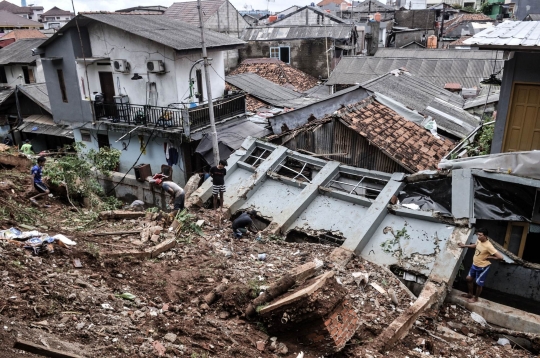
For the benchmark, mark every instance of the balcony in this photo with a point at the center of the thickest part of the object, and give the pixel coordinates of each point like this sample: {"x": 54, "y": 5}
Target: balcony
{"x": 170, "y": 117}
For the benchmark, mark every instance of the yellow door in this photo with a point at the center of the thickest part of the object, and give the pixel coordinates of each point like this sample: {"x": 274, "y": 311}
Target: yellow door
{"x": 523, "y": 124}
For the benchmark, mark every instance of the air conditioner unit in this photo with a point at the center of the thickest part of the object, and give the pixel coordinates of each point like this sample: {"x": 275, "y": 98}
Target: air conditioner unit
{"x": 120, "y": 66}
{"x": 156, "y": 66}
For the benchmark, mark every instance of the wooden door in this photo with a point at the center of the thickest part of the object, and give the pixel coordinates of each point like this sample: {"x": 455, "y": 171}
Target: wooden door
{"x": 523, "y": 124}
{"x": 107, "y": 86}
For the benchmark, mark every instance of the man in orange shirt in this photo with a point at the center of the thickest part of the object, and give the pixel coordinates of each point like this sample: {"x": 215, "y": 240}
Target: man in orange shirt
{"x": 480, "y": 267}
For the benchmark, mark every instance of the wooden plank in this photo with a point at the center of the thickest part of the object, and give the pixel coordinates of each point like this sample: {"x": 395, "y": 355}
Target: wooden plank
{"x": 42, "y": 350}
{"x": 116, "y": 233}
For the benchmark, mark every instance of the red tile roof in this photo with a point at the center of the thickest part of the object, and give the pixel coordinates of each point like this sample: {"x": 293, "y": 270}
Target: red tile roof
{"x": 414, "y": 147}
{"x": 278, "y": 72}
{"x": 452, "y": 23}
{"x": 459, "y": 41}
{"x": 452, "y": 86}
{"x": 24, "y": 34}
{"x": 337, "y": 2}
{"x": 55, "y": 11}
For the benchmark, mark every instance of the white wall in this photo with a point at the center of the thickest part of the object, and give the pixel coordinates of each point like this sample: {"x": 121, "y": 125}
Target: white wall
{"x": 172, "y": 86}
{"x": 13, "y": 71}
{"x": 155, "y": 155}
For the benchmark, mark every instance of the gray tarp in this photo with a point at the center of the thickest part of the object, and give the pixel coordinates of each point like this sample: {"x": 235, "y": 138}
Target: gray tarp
{"x": 230, "y": 138}
{"x": 524, "y": 164}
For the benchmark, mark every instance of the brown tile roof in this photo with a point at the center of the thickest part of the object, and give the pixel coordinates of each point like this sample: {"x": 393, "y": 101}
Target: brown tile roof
{"x": 452, "y": 86}
{"x": 24, "y": 34}
{"x": 252, "y": 103}
{"x": 55, "y": 11}
{"x": 278, "y": 72}
{"x": 459, "y": 41}
{"x": 8, "y": 19}
{"x": 414, "y": 147}
{"x": 452, "y": 23}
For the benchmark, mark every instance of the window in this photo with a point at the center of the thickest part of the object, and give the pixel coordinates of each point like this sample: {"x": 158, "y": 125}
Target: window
{"x": 85, "y": 135}
{"x": 282, "y": 53}
{"x": 3, "y": 77}
{"x": 274, "y": 52}
{"x": 26, "y": 75}
{"x": 62, "y": 85}
{"x": 58, "y": 18}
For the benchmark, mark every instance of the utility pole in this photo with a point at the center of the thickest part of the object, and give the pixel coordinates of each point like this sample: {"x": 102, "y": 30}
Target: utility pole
{"x": 213, "y": 132}
{"x": 442, "y": 25}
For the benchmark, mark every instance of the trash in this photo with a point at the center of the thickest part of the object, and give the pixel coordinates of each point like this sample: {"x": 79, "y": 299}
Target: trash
{"x": 127, "y": 296}
{"x": 262, "y": 257}
{"x": 393, "y": 296}
{"x": 107, "y": 306}
{"x": 478, "y": 319}
{"x": 199, "y": 223}
{"x": 503, "y": 341}
{"x": 378, "y": 288}
{"x": 411, "y": 206}
{"x": 64, "y": 240}
{"x": 77, "y": 263}
{"x": 300, "y": 355}
{"x": 137, "y": 205}
{"x": 361, "y": 278}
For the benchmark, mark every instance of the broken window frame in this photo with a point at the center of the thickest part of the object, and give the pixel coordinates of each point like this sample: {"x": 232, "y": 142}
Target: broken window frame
{"x": 281, "y": 165}
{"x": 523, "y": 240}
{"x": 260, "y": 158}
{"x": 333, "y": 180}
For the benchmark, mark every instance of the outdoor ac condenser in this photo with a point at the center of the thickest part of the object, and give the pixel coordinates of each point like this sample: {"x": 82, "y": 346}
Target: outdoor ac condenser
{"x": 121, "y": 66}
{"x": 155, "y": 66}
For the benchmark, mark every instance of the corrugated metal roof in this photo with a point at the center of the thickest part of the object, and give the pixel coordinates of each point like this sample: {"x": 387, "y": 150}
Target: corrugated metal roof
{"x": 263, "y": 89}
{"x": 7, "y": 19}
{"x": 509, "y": 34}
{"x": 533, "y": 17}
{"x": 14, "y": 9}
{"x": 5, "y": 93}
{"x": 297, "y": 32}
{"x": 56, "y": 11}
{"x": 43, "y": 124}
{"x": 481, "y": 100}
{"x": 444, "y": 106}
{"x": 158, "y": 28}
{"x": 315, "y": 9}
{"x": 20, "y": 51}
{"x": 467, "y": 72}
{"x": 187, "y": 11}
{"x": 391, "y": 52}
{"x": 38, "y": 93}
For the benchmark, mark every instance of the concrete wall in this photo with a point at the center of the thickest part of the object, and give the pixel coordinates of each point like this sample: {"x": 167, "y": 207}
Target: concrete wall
{"x": 523, "y": 68}
{"x": 522, "y": 8}
{"x": 305, "y": 17}
{"x": 14, "y": 71}
{"x": 155, "y": 154}
{"x": 172, "y": 86}
{"x": 66, "y": 47}
{"x": 307, "y": 55}
{"x": 227, "y": 20}
{"x": 415, "y": 19}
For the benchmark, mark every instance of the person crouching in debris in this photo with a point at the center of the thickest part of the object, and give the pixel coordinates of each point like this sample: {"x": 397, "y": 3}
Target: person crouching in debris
{"x": 480, "y": 267}
{"x": 36, "y": 172}
{"x": 241, "y": 224}
{"x": 176, "y": 192}
{"x": 218, "y": 178}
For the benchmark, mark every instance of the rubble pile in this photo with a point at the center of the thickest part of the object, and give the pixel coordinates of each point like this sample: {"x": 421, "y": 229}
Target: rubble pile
{"x": 115, "y": 295}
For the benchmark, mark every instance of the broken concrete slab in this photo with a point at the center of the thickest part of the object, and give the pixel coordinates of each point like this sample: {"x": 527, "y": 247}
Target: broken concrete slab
{"x": 498, "y": 314}
{"x": 120, "y": 214}
{"x": 401, "y": 325}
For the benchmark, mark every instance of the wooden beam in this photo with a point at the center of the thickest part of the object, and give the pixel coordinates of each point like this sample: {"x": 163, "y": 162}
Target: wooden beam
{"x": 42, "y": 350}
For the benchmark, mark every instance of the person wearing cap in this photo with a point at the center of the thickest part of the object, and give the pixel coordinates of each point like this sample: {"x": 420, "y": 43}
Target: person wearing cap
{"x": 484, "y": 251}
{"x": 176, "y": 192}
{"x": 37, "y": 183}
{"x": 241, "y": 224}
{"x": 26, "y": 148}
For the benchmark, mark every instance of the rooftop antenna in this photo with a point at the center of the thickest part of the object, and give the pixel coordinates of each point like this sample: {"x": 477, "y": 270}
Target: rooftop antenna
{"x": 268, "y": 5}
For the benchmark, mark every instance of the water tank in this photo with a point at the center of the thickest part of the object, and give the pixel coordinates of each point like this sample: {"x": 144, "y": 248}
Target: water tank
{"x": 377, "y": 17}
{"x": 432, "y": 41}
{"x": 272, "y": 18}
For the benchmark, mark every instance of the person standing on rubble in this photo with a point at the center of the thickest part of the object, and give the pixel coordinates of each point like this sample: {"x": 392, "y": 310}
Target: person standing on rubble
{"x": 218, "y": 178}
{"x": 176, "y": 192}
{"x": 484, "y": 251}
{"x": 27, "y": 148}
{"x": 241, "y": 224}
{"x": 37, "y": 183}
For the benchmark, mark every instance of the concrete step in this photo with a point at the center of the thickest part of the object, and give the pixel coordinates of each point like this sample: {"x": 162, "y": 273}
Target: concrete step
{"x": 498, "y": 314}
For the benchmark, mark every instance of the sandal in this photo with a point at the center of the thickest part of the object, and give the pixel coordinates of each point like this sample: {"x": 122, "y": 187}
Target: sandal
{"x": 34, "y": 201}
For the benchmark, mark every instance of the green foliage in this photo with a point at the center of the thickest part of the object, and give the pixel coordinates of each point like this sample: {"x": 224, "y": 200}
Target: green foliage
{"x": 482, "y": 143}
{"x": 470, "y": 9}
{"x": 255, "y": 286}
{"x": 74, "y": 172}
{"x": 402, "y": 234}
{"x": 486, "y": 8}
{"x": 187, "y": 221}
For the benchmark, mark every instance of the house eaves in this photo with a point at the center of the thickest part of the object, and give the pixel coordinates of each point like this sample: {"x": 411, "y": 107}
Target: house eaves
{"x": 37, "y": 92}
{"x": 316, "y": 10}
{"x": 330, "y": 202}
{"x": 158, "y": 28}
{"x": 20, "y": 52}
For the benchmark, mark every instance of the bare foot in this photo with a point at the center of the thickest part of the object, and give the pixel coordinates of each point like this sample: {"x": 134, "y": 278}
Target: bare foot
{"x": 466, "y": 295}
{"x": 472, "y": 300}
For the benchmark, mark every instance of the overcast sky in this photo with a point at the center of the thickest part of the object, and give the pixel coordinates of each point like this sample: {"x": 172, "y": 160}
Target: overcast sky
{"x": 107, "y": 5}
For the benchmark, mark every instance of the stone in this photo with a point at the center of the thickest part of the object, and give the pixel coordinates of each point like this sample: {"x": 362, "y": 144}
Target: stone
{"x": 154, "y": 238}
{"x": 199, "y": 223}
{"x": 224, "y": 314}
{"x": 171, "y": 337}
{"x": 261, "y": 345}
{"x": 80, "y": 325}
{"x": 205, "y": 307}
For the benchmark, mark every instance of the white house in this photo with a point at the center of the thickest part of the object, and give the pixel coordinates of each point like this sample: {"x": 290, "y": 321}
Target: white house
{"x": 18, "y": 65}
{"x": 141, "y": 63}
{"x": 55, "y": 18}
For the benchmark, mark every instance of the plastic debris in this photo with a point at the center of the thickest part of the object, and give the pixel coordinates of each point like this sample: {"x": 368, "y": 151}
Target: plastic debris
{"x": 127, "y": 296}
{"x": 64, "y": 240}
{"x": 262, "y": 257}
{"x": 503, "y": 341}
{"x": 478, "y": 319}
{"x": 107, "y": 306}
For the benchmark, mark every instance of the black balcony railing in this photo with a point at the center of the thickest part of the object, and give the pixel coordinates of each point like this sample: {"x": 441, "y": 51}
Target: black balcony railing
{"x": 167, "y": 117}
{"x": 223, "y": 109}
